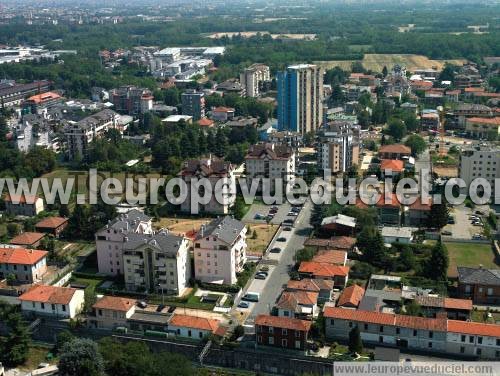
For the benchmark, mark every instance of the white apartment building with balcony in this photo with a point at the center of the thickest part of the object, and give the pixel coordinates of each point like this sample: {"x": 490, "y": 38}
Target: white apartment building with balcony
{"x": 480, "y": 162}
{"x": 157, "y": 263}
{"x": 270, "y": 161}
{"x": 220, "y": 251}
{"x": 110, "y": 240}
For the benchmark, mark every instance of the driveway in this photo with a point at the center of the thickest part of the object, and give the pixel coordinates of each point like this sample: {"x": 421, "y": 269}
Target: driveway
{"x": 279, "y": 264}
{"x": 463, "y": 228}
{"x": 263, "y": 210}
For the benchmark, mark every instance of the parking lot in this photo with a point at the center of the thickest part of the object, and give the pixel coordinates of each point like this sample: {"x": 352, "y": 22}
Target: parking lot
{"x": 259, "y": 211}
{"x": 463, "y": 228}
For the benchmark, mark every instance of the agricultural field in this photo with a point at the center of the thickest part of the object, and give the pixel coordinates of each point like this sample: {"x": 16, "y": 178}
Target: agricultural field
{"x": 469, "y": 254}
{"x": 376, "y": 62}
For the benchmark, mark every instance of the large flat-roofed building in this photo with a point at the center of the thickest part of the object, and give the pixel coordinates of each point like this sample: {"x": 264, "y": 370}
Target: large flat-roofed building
{"x": 479, "y": 162}
{"x": 300, "y": 97}
{"x": 253, "y": 77}
{"x": 220, "y": 251}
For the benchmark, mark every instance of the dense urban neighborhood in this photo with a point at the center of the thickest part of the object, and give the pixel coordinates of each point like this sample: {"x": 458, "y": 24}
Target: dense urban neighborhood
{"x": 260, "y": 97}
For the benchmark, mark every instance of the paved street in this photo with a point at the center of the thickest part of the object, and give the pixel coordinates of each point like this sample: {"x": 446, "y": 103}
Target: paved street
{"x": 263, "y": 210}
{"x": 271, "y": 288}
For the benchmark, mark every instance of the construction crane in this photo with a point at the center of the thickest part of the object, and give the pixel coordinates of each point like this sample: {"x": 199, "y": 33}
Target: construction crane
{"x": 442, "y": 149}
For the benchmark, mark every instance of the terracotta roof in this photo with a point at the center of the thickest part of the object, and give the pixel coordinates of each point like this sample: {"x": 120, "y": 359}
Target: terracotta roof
{"x": 21, "y": 256}
{"x": 223, "y": 109}
{"x": 494, "y": 121}
{"x": 323, "y": 270}
{"x": 394, "y": 203}
{"x": 475, "y": 328}
{"x": 204, "y": 122}
{"x": 331, "y": 256}
{"x": 361, "y": 316}
{"x": 421, "y": 83}
{"x": 351, "y": 295}
{"x": 21, "y": 199}
{"x": 49, "y": 294}
{"x": 27, "y": 238}
{"x": 336, "y": 242}
{"x": 39, "y": 98}
{"x": 474, "y": 89}
{"x": 115, "y": 303}
{"x": 194, "y": 322}
{"x": 395, "y": 148}
{"x": 424, "y": 323}
{"x": 392, "y": 164}
{"x": 308, "y": 284}
{"x": 420, "y": 205}
{"x": 291, "y": 299}
{"x": 51, "y": 222}
{"x": 272, "y": 151}
{"x": 463, "y": 304}
{"x": 283, "y": 322}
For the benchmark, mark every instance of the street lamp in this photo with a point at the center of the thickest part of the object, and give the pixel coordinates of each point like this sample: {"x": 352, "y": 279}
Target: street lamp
{"x": 162, "y": 296}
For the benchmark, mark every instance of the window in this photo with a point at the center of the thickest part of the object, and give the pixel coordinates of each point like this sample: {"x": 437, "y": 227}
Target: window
{"x": 285, "y": 313}
{"x": 200, "y": 334}
{"x": 366, "y": 326}
{"x": 478, "y": 352}
{"x": 100, "y": 312}
{"x": 350, "y": 324}
{"x": 53, "y": 307}
{"x": 284, "y": 332}
{"x": 34, "y": 306}
{"x": 189, "y": 333}
{"x": 381, "y": 339}
{"x": 398, "y": 331}
{"x": 471, "y": 339}
{"x": 497, "y": 354}
{"x": 462, "y": 349}
{"x": 498, "y": 341}
{"x": 271, "y": 340}
{"x": 297, "y": 345}
{"x": 430, "y": 345}
{"x": 431, "y": 334}
{"x": 332, "y": 322}
{"x": 381, "y": 329}
{"x": 463, "y": 338}
{"x": 271, "y": 329}
{"x": 479, "y": 340}
{"x": 414, "y": 333}
{"x": 284, "y": 343}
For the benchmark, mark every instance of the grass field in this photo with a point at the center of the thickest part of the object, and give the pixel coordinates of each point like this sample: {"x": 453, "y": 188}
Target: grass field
{"x": 480, "y": 316}
{"x": 264, "y": 235}
{"x": 376, "y": 62}
{"x": 469, "y": 254}
{"x": 37, "y": 355}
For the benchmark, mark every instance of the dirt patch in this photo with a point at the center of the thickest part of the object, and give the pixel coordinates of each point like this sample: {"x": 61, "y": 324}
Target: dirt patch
{"x": 449, "y": 171}
{"x": 264, "y": 233}
{"x": 182, "y": 226}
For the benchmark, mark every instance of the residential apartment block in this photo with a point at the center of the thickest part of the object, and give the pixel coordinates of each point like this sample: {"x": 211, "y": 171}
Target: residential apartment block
{"x": 338, "y": 146}
{"x": 253, "y": 77}
{"x": 479, "y": 284}
{"x": 220, "y": 251}
{"x": 270, "y": 161}
{"x": 300, "y": 97}
{"x": 418, "y": 333}
{"x": 284, "y": 332}
{"x": 80, "y": 134}
{"x": 193, "y": 104}
{"x": 479, "y": 162}
{"x": 214, "y": 170}
{"x": 157, "y": 262}
{"x": 110, "y": 240}
{"x": 131, "y": 100}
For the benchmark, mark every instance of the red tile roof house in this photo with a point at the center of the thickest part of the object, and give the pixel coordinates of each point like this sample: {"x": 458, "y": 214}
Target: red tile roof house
{"x": 394, "y": 151}
{"x": 26, "y": 265}
{"x": 222, "y": 114}
{"x": 331, "y": 256}
{"x": 192, "y": 326}
{"x": 56, "y": 302}
{"x": 351, "y": 297}
{"x": 28, "y": 239}
{"x": 27, "y": 206}
{"x": 316, "y": 270}
{"x": 282, "y": 332}
{"x": 457, "y": 309}
{"x": 460, "y": 338}
{"x": 298, "y": 304}
{"x": 321, "y": 286}
{"x": 346, "y": 243}
{"x": 110, "y": 312}
{"x": 52, "y": 225}
{"x": 391, "y": 167}
{"x": 418, "y": 212}
{"x": 389, "y": 210}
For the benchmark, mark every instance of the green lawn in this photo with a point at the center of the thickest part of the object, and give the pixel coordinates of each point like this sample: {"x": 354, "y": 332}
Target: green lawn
{"x": 481, "y": 316}
{"x": 469, "y": 254}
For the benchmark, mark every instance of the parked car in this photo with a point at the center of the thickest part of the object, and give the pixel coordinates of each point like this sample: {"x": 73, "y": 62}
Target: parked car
{"x": 243, "y": 305}
{"x": 260, "y": 276}
{"x": 251, "y": 297}
{"x": 142, "y": 304}
{"x": 292, "y": 214}
{"x": 446, "y": 233}
{"x": 259, "y": 216}
{"x": 275, "y": 250}
{"x": 281, "y": 239}
{"x": 287, "y": 228}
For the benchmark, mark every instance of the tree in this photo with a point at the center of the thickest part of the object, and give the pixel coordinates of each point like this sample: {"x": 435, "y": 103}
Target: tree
{"x": 436, "y": 267}
{"x": 81, "y": 357}
{"x": 14, "y": 347}
{"x": 371, "y": 244}
{"x": 413, "y": 309}
{"x": 407, "y": 259}
{"x": 438, "y": 216}
{"x": 13, "y": 229}
{"x": 416, "y": 144}
{"x": 384, "y": 71}
{"x": 305, "y": 254}
{"x": 64, "y": 211}
{"x": 396, "y": 129}
{"x": 355, "y": 342}
{"x": 62, "y": 338}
